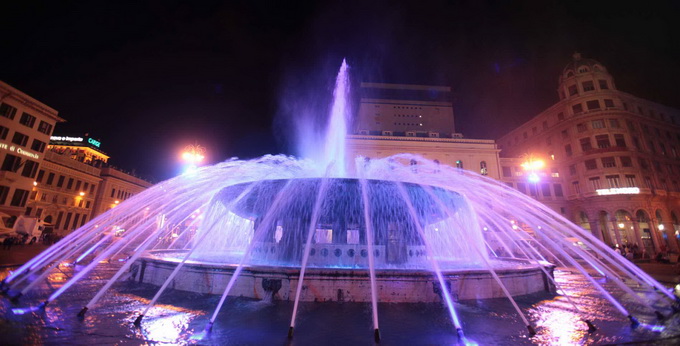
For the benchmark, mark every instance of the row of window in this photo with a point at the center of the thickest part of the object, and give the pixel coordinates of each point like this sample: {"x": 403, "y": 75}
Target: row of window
{"x": 13, "y": 163}
{"x": 18, "y": 199}
{"x": 614, "y": 181}
{"x": 78, "y": 220}
{"x": 78, "y": 202}
{"x": 69, "y": 184}
{"x": 22, "y": 140}
{"x": 26, "y": 119}
{"x": 533, "y": 189}
{"x": 122, "y": 195}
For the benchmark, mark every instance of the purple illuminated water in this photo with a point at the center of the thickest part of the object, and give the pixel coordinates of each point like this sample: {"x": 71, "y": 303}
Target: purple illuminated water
{"x": 382, "y": 214}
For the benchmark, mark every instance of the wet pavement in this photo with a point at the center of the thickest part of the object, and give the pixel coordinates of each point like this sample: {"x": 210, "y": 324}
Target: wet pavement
{"x": 180, "y": 318}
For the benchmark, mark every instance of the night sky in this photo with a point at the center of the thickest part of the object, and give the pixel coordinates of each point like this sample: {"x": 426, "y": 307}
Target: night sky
{"x": 149, "y": 78}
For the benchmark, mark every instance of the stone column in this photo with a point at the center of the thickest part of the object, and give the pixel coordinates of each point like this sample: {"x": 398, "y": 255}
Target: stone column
{"x": 638, "y": 236}
{"x": 616, "y": 231}
{"x": 595, "y": 229}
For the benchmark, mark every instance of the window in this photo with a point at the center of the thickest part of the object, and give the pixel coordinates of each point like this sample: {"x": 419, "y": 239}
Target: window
{"x": 45, "y": 128}
{"x": 459, "y": 164}
{"x": 533, "y": 190}
{"x": 78, "y": 183}
{"x": 643, "y": 164}
{"x": 577, "y": 108}
{"x": 27, "y": 120}
{"x": 30, "y": 169}
{"x": 69, "y": 185}
{"x": 41, "y": 174}
{"x": 572, "y": 90}
{"x": 608, "y": 162}
{"x": 613, "y": 181}
{"x": 113, "y": 193}
{"x": 608, "y": 103}
{"x": 620, "y": 141}
{"x": 567, "y": 150}
{"x": 636, "y": 142}
{"x": 591, "y": 164}
{"x": 663, "y": 149}
{"x": 38, "y": 146}
{"x": 4, "y": 191}
{"x": 593, "y": 104}
{"x": 7, "y": 111}
{"x": 482, "y": 168}
{"x": 585, "y": 144}
{"x": 598, "y": 124}
{"x": 626, "y": 161}
{"x": 581, "y": 127}
{"x": 603, "y": 84}
{"x": 19, "y": 198}
{"x": 595, "y": 183}
{"x": 560, "y": 116}
{"x": 576, "y": 187}
{"x": 558, "y": 190}
{"x": 92, "y": 189}
{"x": 3, "y": 132}
{"x": 631, "y": 125}
{"x": 565, "y": 134}
{"x": 507, "y": 172}
{"x": 630, "y": 181}
{"x": 67, "y": 221}
{"x": 545, "y": 190}
{"x": 652, "y": 148}
{"x": 602, "y": 141}
{"x": 20, "y": 139}
{"x": 50, "y": 179}
{"x": 75, "y": 220}
{"x": 60, "y": 182}
{"x": 648, "y": 183}
{"x": 572, "y": 170}
{"x": 521, "y": 187}
{"x": 11, "y": 163}
{"x": 588, "y": 86}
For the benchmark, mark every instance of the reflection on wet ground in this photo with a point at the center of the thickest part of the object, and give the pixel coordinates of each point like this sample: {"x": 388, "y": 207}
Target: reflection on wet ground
{"x": 180, "y": 317}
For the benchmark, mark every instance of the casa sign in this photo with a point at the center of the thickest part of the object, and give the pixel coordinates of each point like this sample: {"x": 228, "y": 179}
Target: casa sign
{"x": 92, "y": 141}
{"x": 619, "y": 191}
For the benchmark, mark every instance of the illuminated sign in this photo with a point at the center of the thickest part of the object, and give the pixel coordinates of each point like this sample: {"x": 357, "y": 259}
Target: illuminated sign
{"x": 19, "y": 151}
{"x": 619, "y": 191}
{"x": 93, "y": 142}
{"x": 66, "y": 139}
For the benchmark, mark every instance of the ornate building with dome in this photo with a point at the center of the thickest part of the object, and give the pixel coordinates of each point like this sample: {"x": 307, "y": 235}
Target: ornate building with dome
{"x": 613, "y": 156}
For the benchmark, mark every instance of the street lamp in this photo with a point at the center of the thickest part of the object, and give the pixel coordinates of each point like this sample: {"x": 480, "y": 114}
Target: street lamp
{"x": 533, "y": 166}
{"x": 192, "y": 155}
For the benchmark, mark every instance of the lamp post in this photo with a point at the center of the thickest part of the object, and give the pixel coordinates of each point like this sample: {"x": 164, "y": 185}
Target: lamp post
{"x": 533, "y": 167}
{"x": 192, "y": 156}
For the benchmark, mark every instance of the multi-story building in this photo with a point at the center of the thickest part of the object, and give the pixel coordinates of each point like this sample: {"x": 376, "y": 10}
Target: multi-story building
{"x": 417, "y": 119}
{"x": 25, "y": 128}
{"x": 76, "y": 184}
{"x": 616, "y": 156}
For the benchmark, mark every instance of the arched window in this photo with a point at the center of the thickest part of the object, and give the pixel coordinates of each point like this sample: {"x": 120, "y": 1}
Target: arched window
{"x": 482, "y": 168}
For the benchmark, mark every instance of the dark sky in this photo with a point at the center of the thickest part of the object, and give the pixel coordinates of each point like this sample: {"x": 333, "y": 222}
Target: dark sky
{"x": 151, "y": 77}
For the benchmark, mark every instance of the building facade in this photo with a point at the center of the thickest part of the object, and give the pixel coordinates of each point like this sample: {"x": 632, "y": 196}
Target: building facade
{"x": 25, "y": 128}
{"x": 76, "y": 184}
{"x": 417, "y": 119}
{"x": 615, "y": 155}
{"x": 405, "y": 110}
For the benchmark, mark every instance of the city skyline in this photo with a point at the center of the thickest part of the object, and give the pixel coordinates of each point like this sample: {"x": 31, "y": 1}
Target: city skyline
{"x": 230, "y": 77}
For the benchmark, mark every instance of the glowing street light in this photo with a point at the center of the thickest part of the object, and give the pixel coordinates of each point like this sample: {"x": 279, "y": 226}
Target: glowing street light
{"x": 193, "y": 154}
{"x": 82, "y": 193}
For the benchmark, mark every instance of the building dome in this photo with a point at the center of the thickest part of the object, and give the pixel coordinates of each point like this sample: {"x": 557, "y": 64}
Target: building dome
{"x": 579, "y": 65}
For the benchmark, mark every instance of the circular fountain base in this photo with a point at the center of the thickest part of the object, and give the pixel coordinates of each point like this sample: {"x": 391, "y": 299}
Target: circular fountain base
{"x": 339, "y": 284}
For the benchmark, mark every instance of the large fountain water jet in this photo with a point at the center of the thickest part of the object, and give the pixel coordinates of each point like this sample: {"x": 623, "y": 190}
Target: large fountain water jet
{"x": 304, "y": 230}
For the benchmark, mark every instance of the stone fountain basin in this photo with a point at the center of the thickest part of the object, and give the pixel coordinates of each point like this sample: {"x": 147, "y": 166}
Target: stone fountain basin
{"x": 341, "y": 284}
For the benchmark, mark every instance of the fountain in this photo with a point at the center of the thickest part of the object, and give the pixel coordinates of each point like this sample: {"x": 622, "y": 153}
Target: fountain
{"x": 323, "y": 231}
